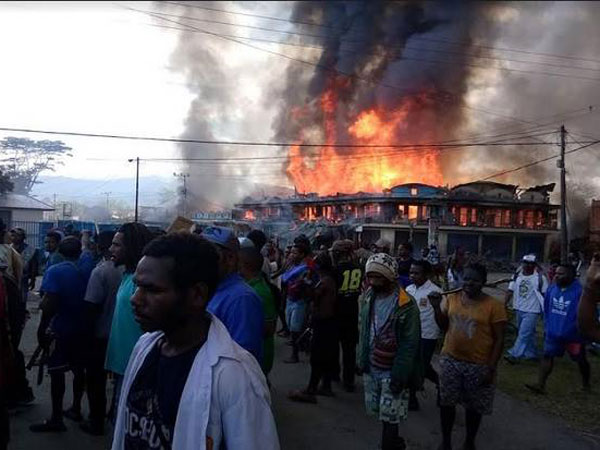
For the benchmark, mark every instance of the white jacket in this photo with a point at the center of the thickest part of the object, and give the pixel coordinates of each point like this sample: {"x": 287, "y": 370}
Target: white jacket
{"x": 225, "y": 397}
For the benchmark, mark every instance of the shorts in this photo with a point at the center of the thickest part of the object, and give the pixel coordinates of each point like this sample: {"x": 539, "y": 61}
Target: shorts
{"x": 461, "y": 383}
{"x": 66, "y": 354}
{"x": 381, "y": 403}
{"x": 556, "y": 347}
{"x": 294, "y": 316}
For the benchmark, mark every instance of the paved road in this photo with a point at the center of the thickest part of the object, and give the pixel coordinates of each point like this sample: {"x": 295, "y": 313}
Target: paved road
{"x": 338, "y": 423}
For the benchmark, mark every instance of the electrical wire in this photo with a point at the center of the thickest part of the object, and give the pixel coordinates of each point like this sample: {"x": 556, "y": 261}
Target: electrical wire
{"x": 403, "y": 48}
{"x": 264, "y": 144}
{"x": 417, "y": 38}
{"x": 441, "y": 96}
{"x": 533, "y": 163}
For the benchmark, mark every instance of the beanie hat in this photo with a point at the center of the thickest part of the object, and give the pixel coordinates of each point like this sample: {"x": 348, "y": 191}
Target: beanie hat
{"x": 384, "y": 265}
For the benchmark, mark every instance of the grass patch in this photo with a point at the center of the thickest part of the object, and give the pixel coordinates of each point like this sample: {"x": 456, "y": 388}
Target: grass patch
{"x": 564, "y": 397}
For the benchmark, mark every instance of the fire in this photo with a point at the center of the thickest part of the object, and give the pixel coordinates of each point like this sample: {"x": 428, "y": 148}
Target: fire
{"x": 328, "y": 170}
{"x": 249, "y": 215}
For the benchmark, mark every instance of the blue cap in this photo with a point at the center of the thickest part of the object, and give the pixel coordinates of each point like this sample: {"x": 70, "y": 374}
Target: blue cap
{"x": 223, "y": 237}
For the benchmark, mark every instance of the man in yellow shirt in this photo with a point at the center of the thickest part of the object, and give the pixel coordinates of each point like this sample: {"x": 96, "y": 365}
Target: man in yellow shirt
{"x": 474, "y": 324}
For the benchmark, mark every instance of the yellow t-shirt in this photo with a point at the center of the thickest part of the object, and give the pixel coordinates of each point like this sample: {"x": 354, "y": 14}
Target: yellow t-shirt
{"x": 470, "y": 336}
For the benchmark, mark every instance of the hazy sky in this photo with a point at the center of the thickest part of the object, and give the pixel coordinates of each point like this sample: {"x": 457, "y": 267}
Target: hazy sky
{"x": 92, "y": 67}
{"x": 100, "y": 68}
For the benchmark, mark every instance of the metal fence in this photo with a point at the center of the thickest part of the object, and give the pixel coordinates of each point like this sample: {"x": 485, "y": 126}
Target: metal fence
{"x": 36, "y": 231}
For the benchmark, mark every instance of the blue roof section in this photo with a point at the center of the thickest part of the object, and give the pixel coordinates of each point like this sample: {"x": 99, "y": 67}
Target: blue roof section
{"x": 417, "y": 190}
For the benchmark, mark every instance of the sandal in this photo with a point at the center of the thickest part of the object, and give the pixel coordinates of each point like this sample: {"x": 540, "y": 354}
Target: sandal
{"x": 325, "y": 392}
{"x": 302, "y": 397}
{"x": 536, "y": 389}
{"x": 48, "y": 426}
{"x": 73, "y": 415}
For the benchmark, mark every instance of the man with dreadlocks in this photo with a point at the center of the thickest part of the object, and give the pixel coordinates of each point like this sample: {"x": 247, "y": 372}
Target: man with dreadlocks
{"x": 126, "y": 250}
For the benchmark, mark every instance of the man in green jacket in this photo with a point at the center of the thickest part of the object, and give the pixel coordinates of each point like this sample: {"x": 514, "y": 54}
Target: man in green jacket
{"x": 389, "y": 348}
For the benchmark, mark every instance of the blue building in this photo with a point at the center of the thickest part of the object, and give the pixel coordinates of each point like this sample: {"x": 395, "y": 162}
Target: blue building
{"x": 498, "y": 221}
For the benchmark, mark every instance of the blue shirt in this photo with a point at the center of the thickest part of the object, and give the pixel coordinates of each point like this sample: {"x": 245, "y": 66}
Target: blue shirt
{"x": 54, "y": 258}
{"x": 560, "y": 311}
{"x": 68, "y": 283}
{"x": 125, "y": 331}
{"x": 87, "y": 263}
{"x": 240, "y": 309}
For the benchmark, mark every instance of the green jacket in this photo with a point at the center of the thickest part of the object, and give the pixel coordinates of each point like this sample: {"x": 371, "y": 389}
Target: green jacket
{"x": 407, "y": 368}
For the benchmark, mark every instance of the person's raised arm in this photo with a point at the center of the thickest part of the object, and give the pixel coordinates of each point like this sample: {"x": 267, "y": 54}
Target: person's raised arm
{"x": 587, "y": 315}
{"x": 441, "y": 315}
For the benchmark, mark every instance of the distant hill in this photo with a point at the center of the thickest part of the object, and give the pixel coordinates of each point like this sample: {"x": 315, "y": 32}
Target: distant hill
{"x": 152, "y": 189}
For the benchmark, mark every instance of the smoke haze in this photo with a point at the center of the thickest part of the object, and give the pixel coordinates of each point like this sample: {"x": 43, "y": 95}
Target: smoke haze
{"x": 441, "y": 52}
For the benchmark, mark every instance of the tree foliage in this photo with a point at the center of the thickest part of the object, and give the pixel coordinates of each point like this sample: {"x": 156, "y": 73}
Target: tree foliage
{"x": 5, "y": 184}
{"x": 23, "y": 160}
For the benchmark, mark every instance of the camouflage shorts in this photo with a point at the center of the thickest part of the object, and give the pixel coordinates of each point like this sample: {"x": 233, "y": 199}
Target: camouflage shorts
{"x": 462, "y": 383}
{"x": 381, "y": 403}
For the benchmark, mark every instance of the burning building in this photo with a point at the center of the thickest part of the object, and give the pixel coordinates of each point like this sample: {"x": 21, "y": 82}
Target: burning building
{"x": 498, "y": 221}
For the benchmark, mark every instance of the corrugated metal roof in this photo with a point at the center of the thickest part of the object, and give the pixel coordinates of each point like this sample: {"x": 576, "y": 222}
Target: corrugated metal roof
{"x": 20, "y": 201}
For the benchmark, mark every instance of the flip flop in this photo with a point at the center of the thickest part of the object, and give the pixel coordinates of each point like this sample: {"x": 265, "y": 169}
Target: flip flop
{"x": 535, "y": 389}
{"x": 302, "y": 397}
{"x": 48, "y": 426}
{"x": 325, "y": 393}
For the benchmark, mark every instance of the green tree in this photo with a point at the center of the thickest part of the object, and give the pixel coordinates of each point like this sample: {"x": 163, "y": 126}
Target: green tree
{"x": 5, "y": 184}
{"x": 24, "y": 160}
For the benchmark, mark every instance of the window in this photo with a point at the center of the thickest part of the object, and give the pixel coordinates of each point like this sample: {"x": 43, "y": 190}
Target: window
{"x": 463, "y": 216}
{"x": 414, "y": 191}
{"x": 413, "y": 212}
{"x": 474, "y": 216}
{"x": 506, "y": 218}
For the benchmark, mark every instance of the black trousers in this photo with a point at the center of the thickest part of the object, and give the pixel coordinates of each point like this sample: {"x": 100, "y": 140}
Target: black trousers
{"x": 427, "y": 350}
{"x": 21, "y": 389}
{"x": 4, "y": 420}
{"x": 96, "y": 381}
{"x": 323, "y": 351}
{"x": 348, "y": 340}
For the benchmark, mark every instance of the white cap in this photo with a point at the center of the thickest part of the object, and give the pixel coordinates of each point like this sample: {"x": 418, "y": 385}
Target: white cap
{"x": 246, "y": 243}
{"x": 529, "y": 258}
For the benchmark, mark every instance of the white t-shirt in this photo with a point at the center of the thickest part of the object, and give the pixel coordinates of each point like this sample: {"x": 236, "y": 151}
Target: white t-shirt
{"x": 526, "y": 292}
{"x": 429, "y": 328}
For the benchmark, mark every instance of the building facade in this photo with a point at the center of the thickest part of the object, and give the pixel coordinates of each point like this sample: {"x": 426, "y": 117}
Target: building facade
{"x": 499, "y": 221}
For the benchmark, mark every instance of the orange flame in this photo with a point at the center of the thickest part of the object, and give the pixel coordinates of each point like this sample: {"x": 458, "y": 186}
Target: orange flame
{"x": 249, "y": 215}
{"x": 329, "y": 170}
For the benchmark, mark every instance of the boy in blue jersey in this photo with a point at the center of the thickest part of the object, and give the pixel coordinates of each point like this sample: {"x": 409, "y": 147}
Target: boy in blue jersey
{"x": 560, "y": 320}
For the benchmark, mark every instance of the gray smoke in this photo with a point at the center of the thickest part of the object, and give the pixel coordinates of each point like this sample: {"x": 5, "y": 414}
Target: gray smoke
{"x": 367, "y": 41}
{"x": 231, "y": 85}
{"x": 442, "y": 51}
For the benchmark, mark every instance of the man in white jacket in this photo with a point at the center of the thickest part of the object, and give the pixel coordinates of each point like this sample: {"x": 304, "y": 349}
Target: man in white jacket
{"x": 188, "y": 385}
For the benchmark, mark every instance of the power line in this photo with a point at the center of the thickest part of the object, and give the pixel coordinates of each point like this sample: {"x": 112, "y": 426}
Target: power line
{"x": 280, "y": 19}
{"x": 417, "y": 38}
{"x": 264, "y": 144}
{"x": 395, "y": 47}
{"x": 442, "y": 96}
{"x": 539, "y": 161}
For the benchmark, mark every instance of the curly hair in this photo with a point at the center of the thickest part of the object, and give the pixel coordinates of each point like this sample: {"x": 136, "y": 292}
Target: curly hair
{"x": 195, "y": 259}
{"x": 135, "y": 237}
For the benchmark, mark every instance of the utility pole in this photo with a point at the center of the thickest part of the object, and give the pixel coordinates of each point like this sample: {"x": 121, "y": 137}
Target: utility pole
{"x": 55, "y": 211}
{"x": 137, "y": 185}
{"x": 564, "y": 241}
{"x": 107, "y": 202}
{"x": 183, "y": 176}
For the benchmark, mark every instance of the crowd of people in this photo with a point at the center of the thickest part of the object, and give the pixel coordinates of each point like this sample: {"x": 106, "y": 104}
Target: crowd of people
{"x": 184, "y": 325}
